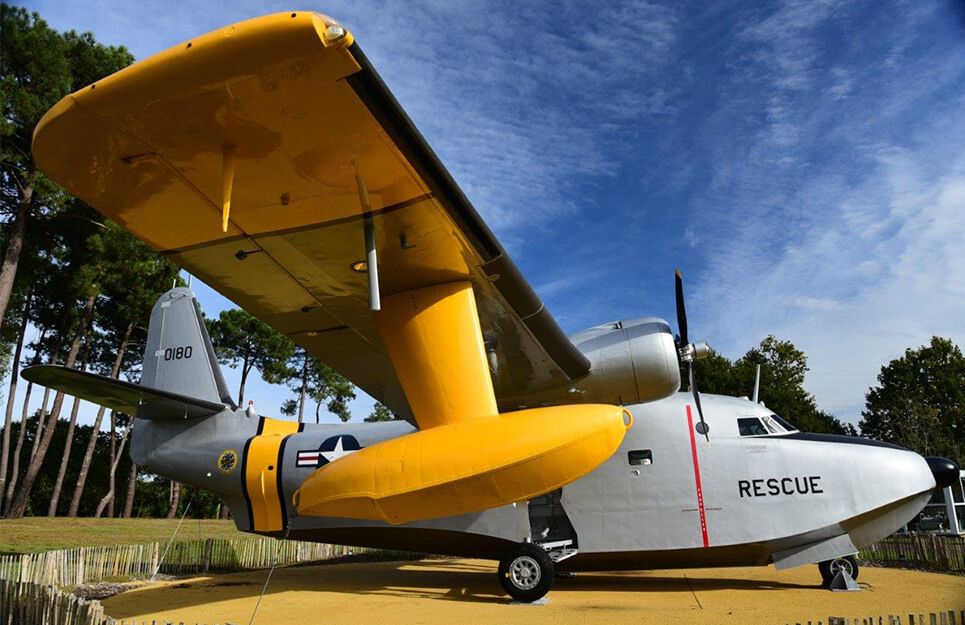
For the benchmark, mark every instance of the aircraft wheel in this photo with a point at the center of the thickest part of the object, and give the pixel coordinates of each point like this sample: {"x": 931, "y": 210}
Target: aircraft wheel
{"x": 526, "y": 572}
{"x": 830, "y": 568}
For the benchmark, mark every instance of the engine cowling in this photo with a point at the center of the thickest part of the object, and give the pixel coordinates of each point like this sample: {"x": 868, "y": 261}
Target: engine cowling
{"x": 633, "y": 361}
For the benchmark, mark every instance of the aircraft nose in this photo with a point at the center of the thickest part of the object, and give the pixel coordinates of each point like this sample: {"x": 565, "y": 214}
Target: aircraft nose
{"x": 944, "y": 470}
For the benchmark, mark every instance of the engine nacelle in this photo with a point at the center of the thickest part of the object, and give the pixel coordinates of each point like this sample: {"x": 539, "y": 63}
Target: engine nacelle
{"x": 633, "y": 361}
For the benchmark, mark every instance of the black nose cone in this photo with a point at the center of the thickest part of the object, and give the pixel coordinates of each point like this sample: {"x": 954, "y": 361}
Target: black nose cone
{"x": 944, "y": 470}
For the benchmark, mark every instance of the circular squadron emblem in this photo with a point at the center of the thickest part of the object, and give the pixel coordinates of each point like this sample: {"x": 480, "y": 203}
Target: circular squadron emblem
{"x": 227, "y": 461}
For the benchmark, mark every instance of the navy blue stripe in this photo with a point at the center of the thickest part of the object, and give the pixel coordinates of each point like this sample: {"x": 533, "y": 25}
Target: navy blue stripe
{"x": 837, "y": 438}
{"x": 279, "y": 485}
{"x": 244, "y": 484}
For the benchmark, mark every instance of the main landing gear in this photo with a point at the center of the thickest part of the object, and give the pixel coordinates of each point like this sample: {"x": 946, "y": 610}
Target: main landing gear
{"x": 526, "y": 571}
{"x": 830, "y": 568}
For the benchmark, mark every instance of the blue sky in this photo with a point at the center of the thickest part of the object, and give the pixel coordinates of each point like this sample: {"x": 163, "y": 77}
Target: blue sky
{"x": 800, "y": 161}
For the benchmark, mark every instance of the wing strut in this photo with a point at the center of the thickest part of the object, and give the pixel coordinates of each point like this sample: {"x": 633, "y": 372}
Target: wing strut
{"x": 371, "y": 258}
{"x": 372, "y": 264}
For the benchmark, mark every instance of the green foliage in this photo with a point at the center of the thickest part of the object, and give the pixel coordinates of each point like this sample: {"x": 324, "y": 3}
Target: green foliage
{"x": 241, "y": 339}
{"x": 97, "y": 479}
{"x": 63, "y": 259}
{"x": 311, "y": 379}
{"x": 35, "y": 75}
{"x": 151, "y": 501}
{"x": 39, "y": 67}
{"x": 151, "y": 491}
{"x": 6, "y": 352}
{"x": 381, "y": 413}
{"x": 783, "y": 367}
{"x": 130, "y": 279}
{"x": 715, "y": 374}
{"x": 919, "y": 401}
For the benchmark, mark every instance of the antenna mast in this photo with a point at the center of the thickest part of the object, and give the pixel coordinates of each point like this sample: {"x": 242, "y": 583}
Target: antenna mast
{"x": 757, "y": 382}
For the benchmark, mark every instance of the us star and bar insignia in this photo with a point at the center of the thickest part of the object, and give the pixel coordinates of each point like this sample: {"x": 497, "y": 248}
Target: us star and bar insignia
{"x": 331, "y": 449}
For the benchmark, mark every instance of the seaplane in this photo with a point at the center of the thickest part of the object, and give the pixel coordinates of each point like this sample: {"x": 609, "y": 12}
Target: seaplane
{"x": 270, "y": 160}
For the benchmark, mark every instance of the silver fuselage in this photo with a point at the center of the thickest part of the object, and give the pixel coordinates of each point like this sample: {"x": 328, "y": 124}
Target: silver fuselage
{"x": 736, "y": 500}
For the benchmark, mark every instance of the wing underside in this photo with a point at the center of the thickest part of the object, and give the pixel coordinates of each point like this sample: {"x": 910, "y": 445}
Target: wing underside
{"x": 321, "y": 146}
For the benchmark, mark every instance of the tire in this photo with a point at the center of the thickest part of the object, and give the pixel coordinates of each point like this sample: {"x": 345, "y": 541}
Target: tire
{"x": 526, "y": 572}
{"x": 830, "y": 568}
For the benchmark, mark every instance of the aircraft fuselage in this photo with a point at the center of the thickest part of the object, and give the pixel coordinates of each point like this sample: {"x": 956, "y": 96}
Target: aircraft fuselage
{"x": 667, "y": 498}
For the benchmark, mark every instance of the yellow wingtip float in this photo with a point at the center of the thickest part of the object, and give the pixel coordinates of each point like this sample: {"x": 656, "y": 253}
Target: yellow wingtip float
{"x": 466, "y": 457}
{"x": 468, "y": 466}
{"x": 254, "y": 139}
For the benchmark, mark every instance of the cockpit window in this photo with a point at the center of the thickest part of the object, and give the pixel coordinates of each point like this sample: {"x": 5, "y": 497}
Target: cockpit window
{"x": 784, "y": 424}
{"x": 771, "y": 425}
{"x": 764, "y": 426}
{"x": 751, "y": 427}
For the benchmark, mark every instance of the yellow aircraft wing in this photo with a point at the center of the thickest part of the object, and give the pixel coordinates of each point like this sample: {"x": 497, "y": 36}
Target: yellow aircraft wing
{"x": 283, "y": 118}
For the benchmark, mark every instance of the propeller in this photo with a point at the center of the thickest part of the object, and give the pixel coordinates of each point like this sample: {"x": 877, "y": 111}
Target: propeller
{"x": 688, "y": 351}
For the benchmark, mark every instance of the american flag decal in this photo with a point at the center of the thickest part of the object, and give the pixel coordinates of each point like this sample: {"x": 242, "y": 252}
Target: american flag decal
{"x": 308, "y": 458}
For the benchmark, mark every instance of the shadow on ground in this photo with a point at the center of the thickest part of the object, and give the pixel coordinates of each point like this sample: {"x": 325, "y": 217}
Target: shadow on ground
{"x": 439, "y": 580}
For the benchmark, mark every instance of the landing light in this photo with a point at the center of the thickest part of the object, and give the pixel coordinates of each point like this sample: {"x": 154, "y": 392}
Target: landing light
{"x": 360, "y": 266}
{"x": 334, "y": 32}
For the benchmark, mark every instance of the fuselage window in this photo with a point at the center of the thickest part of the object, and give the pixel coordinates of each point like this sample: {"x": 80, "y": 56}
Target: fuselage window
{"x": 751, "y": 427}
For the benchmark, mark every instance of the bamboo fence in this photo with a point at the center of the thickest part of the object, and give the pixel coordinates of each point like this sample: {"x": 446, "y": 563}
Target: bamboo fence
{"x": 918, "y": 550}
{"x": 71, "y": 567}
{"x": 23, "y": 603}
{"x": 948, "y": 617}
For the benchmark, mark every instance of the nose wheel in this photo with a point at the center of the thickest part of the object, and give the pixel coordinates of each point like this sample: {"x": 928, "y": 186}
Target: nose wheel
{"x": 830, "y": 568}
{"x": 526, "y": 572}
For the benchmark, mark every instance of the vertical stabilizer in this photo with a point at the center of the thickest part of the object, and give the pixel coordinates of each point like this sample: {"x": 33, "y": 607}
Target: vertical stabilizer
{"x": 179, "y": 357}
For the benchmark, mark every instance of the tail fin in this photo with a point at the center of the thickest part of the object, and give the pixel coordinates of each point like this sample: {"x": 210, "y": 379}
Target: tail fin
{"x": 179, "y": 357}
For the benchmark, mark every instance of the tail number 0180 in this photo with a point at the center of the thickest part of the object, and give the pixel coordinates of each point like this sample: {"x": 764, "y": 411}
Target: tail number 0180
{"x": 177, "y": 353}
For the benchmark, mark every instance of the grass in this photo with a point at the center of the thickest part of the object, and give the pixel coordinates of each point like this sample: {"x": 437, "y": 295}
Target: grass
{"x": 35, "y": 534}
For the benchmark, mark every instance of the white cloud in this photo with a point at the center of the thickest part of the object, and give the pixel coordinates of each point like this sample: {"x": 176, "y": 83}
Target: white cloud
{"x": 524, "y": 104}
{"x": 852, "y": 205}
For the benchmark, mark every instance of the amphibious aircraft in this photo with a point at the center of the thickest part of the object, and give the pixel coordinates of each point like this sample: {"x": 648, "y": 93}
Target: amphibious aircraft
{"x": 269, "y": 159}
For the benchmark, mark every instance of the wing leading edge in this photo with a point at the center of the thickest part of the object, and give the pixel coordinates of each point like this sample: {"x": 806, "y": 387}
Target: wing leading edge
{"x": 315, "y": 130}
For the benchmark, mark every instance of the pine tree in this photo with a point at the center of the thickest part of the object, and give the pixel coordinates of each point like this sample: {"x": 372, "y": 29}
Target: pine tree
{"x": 381, "y": 412}
{"x": 39, "y": 67}
{"x": 242, "y": 340}
{"x": 311, "y": 379}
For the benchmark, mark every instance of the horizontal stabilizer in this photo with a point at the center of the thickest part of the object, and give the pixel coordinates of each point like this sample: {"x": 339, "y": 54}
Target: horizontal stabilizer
{"x": 133, "y": 399}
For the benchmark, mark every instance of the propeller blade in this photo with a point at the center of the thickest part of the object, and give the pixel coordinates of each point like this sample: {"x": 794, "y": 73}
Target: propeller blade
{"x": 704, "y": 429}
{"x": 681, "y": 309}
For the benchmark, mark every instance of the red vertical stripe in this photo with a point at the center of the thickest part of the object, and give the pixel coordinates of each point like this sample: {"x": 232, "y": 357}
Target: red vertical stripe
{"x": 700, "y": 490}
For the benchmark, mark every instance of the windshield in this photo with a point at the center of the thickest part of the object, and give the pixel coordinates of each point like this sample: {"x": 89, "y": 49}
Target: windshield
{"x": 751, "y": 427}
{"x": 784, "y": 424}
{"x": 764, "y": 426}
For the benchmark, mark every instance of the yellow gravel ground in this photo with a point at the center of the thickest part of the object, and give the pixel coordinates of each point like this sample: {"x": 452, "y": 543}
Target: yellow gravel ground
{"x": 466, "y": 591}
